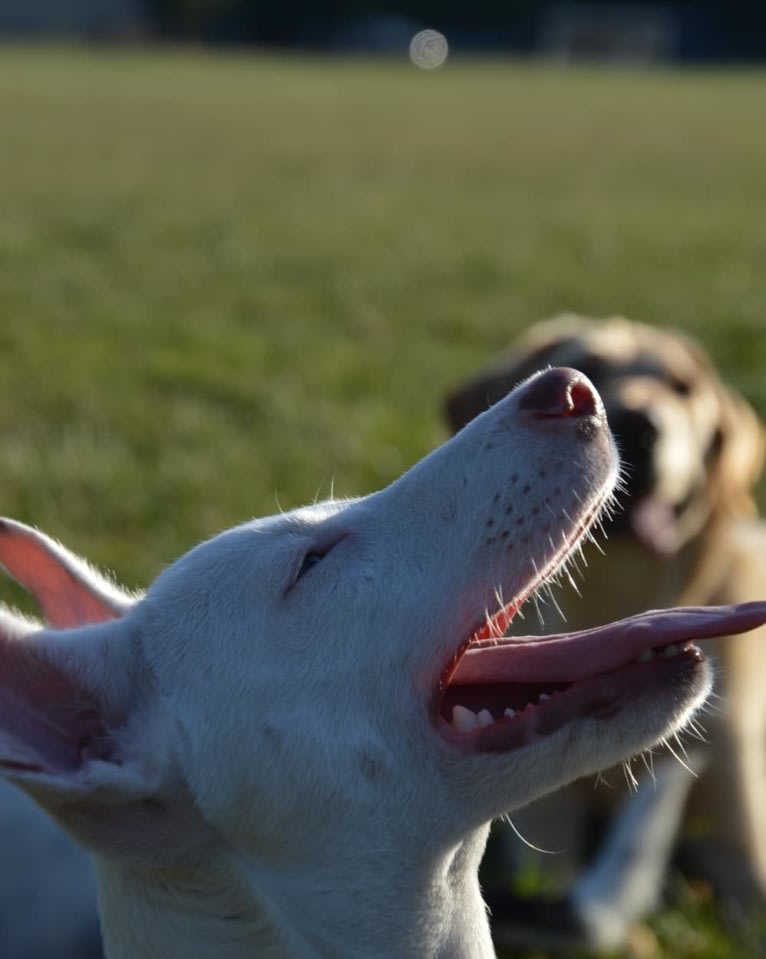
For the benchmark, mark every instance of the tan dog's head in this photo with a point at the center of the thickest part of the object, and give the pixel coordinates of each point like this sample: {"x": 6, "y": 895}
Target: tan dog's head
{"x": 692, "y": 449}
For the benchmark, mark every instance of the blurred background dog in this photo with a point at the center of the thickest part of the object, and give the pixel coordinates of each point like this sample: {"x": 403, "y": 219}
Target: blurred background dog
{"x": 685, "y": 533}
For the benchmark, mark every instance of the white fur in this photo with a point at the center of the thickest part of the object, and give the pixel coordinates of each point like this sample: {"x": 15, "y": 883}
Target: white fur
{"x": 47, "y": 889}
{"x": 267, "y": 779}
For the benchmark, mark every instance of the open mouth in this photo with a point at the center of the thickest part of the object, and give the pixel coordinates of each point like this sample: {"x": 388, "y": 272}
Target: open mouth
{"x": 498, "y": 694}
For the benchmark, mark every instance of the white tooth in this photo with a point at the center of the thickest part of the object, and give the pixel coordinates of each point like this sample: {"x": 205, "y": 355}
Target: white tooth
{"x": 509, "y": 713}
{"x": 463, "y": 719}
{"x": 542, "y": 697}
{"x": 485, "y": 718}
{"x": 644, "y": 656}
{"x": 670, "y": 651}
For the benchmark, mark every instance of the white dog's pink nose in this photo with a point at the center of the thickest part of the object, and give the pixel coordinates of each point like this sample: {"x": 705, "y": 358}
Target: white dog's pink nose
{"x": 560, "y": 392}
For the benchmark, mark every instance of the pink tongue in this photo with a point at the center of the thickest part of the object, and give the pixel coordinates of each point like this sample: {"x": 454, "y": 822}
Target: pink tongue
{"x": 569, "y": 657}
{"x": 654, "y": 524}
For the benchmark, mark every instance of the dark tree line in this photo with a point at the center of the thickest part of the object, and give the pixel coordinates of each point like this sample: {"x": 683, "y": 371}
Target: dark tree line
{"x": 708, "y": 29}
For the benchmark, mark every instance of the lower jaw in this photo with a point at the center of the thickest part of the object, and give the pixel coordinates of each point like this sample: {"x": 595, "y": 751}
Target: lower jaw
{"x": 673, "y": 685}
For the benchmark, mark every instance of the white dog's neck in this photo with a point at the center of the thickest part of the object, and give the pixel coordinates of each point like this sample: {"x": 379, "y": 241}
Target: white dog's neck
{"x": 231, "y": 907}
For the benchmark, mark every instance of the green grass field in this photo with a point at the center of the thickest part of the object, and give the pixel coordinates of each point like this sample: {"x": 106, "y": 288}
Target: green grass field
{"x": 230, "y": 284}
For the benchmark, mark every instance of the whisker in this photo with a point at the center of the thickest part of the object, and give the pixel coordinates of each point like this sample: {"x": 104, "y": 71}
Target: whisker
{"x": 629, "y": 775}
{"x": 545, "y": 852}
{"x": 675, "y": 756}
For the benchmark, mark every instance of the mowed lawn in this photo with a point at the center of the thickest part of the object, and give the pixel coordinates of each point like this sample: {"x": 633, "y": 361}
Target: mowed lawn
{"x": 231, "y": 284}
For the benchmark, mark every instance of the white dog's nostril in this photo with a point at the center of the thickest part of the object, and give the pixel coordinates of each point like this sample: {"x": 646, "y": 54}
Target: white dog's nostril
{"x": 560, "y": 392}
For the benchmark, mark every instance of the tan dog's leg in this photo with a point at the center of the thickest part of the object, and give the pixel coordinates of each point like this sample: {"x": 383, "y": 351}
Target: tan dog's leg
{"x": 730, "y": 797}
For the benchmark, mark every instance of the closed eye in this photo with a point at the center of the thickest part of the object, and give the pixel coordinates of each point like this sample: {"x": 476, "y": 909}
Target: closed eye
{"x": 310, "y": 560}
{"x": 320, "y": 549}
{"x": 315, "y": 556}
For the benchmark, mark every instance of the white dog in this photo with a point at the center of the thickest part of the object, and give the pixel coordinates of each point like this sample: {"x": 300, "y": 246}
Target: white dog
{"x": 292, "y": 746}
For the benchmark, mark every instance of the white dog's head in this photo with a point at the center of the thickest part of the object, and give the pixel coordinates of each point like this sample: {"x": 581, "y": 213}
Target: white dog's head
{"x": 341, "y": 664}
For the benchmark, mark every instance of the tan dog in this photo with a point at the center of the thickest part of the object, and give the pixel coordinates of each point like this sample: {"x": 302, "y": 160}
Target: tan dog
{"x": 686, "y": 534}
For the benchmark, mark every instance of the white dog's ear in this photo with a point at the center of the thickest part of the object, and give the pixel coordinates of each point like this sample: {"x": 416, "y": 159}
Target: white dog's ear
{"x": 66, "y": 699}
{"x": 82, "y": 728}
{"x": 54, "y": 710}
{"x": 51, "y": 719}
{"x": 68, "y": 591}
{"x": 84, "y": 732}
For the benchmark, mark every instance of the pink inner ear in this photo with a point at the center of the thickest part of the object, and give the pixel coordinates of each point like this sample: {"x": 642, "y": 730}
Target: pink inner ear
{"x": 48, "y": 723}
{"x": 35, "y": 563}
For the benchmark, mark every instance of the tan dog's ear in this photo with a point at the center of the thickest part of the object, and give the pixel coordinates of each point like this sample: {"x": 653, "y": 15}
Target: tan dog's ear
{"x": 741, "y": 458}
{"x": 487, "y": 388}
{"x": 535, "y": 351}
